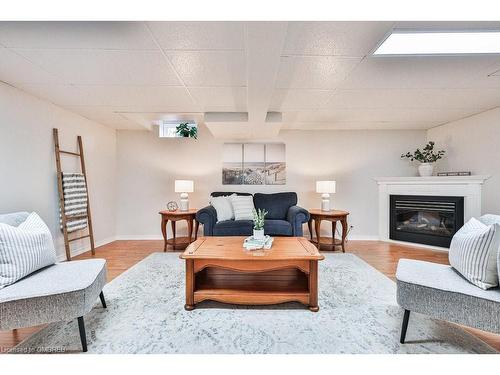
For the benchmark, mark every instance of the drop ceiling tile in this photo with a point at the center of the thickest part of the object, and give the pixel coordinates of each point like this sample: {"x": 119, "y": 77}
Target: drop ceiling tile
{"x": 359, "y": 125}
{"x": 379, "y": 115}
{"x": 117, "y": 95}
{"x": 199, "y": 35}
{"x": 446, "y": 25}
{"x": 334, "y": 38}
{"x": 416, "y": 98}
{"x": 104, "y": 66}
{"x": 314, "y": 72}
{"x": 488, "y": 77}
{"x": 209, "y": 98}
{"x": 16, "y": 69}
{"x": 74, "y": 35}
{"x": 104, "y": 115}
{"x": 171, "y": 96}
{"x": 58, "y": 94}
{"x": 295, "y": 99}
{"x": 416, "y": 72}
{"x": 208, "y": 68}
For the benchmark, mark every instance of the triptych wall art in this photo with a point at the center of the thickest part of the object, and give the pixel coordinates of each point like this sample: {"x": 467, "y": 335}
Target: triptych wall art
{"x": 254, "y": 164}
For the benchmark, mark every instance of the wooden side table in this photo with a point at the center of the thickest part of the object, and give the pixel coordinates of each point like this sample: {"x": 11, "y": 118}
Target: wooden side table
{"x": 335, "y": 215}
{"x": 174, "y": 216}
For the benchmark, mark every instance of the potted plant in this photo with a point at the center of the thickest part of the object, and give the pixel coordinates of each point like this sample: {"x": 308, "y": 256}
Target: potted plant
{"x": 186, "y": 130}
{"x": 427, "y": 157}
{"x": 258, "y": 223}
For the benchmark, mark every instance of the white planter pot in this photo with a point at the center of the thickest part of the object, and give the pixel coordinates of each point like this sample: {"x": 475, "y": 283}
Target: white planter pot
{"x": 258, "y": 234}
{"x": 425, "y": 169}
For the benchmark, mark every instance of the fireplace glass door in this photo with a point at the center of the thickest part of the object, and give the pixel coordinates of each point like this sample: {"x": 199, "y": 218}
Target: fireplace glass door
{"x": 431, "y": 220}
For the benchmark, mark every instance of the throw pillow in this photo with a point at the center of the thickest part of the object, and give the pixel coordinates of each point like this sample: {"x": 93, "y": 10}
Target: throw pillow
{"x": 223, "y": 206}
{"x": 490, "y": 219}
{"x": 24, "y": 249}
{"x": 473, "y": 253}
{"x": 243, "y": 207}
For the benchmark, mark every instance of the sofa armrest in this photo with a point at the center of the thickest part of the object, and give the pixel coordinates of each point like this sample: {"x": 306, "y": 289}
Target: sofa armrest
{"x": 208, "y": 217}
{"x": 297, "y": 216}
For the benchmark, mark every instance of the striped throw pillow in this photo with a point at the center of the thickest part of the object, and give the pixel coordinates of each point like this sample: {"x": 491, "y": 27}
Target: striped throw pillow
{"x": 24, "y": 249}
{"x": 473, "y": 253}
{"x": 243, "y": 207}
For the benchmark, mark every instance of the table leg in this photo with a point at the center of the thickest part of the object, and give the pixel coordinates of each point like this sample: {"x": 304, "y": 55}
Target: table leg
{"x": 313, "y": 286}
{"x": 164, "y": 232}
{"x": 309, "y": 226}
{"x": 196, "y": 227}
{"x": 317, "y": 225}
{"x": 190, "y": 229}
{"x": 189, "y": 285}
{"x": 172, "y": 222}
{"x": 344, "y": 232}
{"x": 334, "y": 230}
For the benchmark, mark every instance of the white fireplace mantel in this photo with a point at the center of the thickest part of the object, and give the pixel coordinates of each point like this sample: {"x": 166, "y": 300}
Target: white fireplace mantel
{"x": 468, "y": 187}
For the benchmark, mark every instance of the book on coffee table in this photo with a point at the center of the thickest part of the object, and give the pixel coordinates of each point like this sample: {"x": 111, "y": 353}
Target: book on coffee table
{"x": 251, "y": 243}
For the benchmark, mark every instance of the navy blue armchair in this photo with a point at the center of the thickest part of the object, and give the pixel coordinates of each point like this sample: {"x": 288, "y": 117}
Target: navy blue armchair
{"x": 284, "y": 217}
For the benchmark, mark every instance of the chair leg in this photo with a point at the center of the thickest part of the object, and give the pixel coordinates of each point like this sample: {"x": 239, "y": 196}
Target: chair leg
{"x": 83, "y": 336}
{"x": 404, "y": 327}
{"x": 103, "y": 301}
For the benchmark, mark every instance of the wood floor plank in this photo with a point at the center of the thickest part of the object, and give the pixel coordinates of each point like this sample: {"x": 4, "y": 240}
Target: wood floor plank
{"x": 384, "y": 256}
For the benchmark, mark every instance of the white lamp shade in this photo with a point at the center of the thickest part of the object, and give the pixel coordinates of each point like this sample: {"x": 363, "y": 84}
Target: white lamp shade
{"x": 325, "y": 187}
{"x": 184, "y": 186}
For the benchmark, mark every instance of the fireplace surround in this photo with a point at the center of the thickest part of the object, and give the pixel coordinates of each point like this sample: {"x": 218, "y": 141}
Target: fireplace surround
{"x": 468, "y": 187}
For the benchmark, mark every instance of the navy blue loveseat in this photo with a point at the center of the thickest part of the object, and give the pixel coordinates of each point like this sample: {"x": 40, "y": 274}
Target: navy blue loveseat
{"x": 284, "y": 217}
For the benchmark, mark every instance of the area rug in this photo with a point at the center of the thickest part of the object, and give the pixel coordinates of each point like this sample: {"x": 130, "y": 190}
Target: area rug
{"x": 358, "y": 314}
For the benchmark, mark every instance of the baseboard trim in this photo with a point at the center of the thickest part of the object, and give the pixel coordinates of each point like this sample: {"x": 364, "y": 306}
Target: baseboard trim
{"x": 83, "y": 249}
{"x": 138, "y": 237}
{"x": 363, "y": 238}
{"x": 413, "y": 244}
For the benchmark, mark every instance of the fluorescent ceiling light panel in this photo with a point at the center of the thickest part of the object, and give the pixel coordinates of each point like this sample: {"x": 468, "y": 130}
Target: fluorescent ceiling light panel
{"x": 440, "y": 43}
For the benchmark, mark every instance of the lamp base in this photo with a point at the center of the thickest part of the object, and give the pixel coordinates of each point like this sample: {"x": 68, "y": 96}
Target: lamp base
{"x": 184, "y": 204}
{"x": 325, "y": 202}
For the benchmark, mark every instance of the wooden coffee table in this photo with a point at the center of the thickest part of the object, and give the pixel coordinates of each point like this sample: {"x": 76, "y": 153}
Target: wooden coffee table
{"x": 220, "y": 269}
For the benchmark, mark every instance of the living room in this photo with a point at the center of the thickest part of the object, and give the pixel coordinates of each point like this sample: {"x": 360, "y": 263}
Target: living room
{"x": 194, "y": 186}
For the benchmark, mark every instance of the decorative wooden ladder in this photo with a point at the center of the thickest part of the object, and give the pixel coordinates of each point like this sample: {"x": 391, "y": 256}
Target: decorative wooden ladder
{"x": 64, "y": 218}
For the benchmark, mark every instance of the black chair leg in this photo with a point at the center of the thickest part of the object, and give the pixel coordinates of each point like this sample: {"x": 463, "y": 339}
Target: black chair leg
{"x": 103, "y": 301}
{"x": 83, "y": 336}
{"x": 406, "y": 318}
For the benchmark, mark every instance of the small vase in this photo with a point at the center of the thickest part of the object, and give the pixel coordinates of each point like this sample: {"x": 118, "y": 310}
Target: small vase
{"x": 258, "y": 234}
{"x": 425, "y": 169}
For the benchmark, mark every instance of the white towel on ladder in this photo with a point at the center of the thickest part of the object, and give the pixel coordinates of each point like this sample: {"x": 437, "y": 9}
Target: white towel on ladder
{"x": 75, "y": 201}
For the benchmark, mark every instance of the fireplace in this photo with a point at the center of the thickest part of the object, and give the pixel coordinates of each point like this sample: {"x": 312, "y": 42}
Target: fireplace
{"x": 430, "y": 220}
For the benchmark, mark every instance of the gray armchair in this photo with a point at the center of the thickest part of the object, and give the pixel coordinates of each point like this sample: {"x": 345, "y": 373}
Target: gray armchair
{"x": 284, "y": 217}
{"x": 63, "y": 291}
{"x": 439, "y": 291}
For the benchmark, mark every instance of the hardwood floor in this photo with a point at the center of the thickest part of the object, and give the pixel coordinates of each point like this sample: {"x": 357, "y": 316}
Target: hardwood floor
{"x": 384, "y": 256}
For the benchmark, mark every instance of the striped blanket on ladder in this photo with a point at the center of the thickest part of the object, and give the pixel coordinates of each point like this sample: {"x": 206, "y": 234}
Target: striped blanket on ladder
{"x": 75, "y": 201}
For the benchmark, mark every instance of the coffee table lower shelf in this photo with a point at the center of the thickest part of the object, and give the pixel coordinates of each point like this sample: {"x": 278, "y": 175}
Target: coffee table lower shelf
{"x": 251, "y": 288}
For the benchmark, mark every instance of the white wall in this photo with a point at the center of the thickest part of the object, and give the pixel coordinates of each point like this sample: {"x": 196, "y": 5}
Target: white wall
{"x": 473, "y": 144}
{"x": 27, "y": 164}
{"x": 148, "y": 166}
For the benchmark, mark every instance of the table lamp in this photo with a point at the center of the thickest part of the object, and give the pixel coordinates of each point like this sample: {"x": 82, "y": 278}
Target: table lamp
{"x": 184, "y": 187}
{"x": 325, "y": 188}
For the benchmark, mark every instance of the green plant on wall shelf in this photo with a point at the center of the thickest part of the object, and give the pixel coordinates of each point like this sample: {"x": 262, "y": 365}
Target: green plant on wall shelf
{"x": 187, "y": 131}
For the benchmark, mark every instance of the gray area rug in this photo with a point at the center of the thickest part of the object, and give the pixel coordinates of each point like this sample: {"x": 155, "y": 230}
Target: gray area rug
{"x": 358, "y": 314}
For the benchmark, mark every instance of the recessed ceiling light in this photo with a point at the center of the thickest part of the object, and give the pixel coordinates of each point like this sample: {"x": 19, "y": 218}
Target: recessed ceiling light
{"x": 440, "y": 43}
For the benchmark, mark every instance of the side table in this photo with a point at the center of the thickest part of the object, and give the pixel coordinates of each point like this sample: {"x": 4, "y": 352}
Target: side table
{"x": 174, "y": 216}
{"x": 334, "y": 215}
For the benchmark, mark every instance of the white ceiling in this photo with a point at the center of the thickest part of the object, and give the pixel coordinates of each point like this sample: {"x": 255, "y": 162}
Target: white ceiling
{"x": 318, "y": 75}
